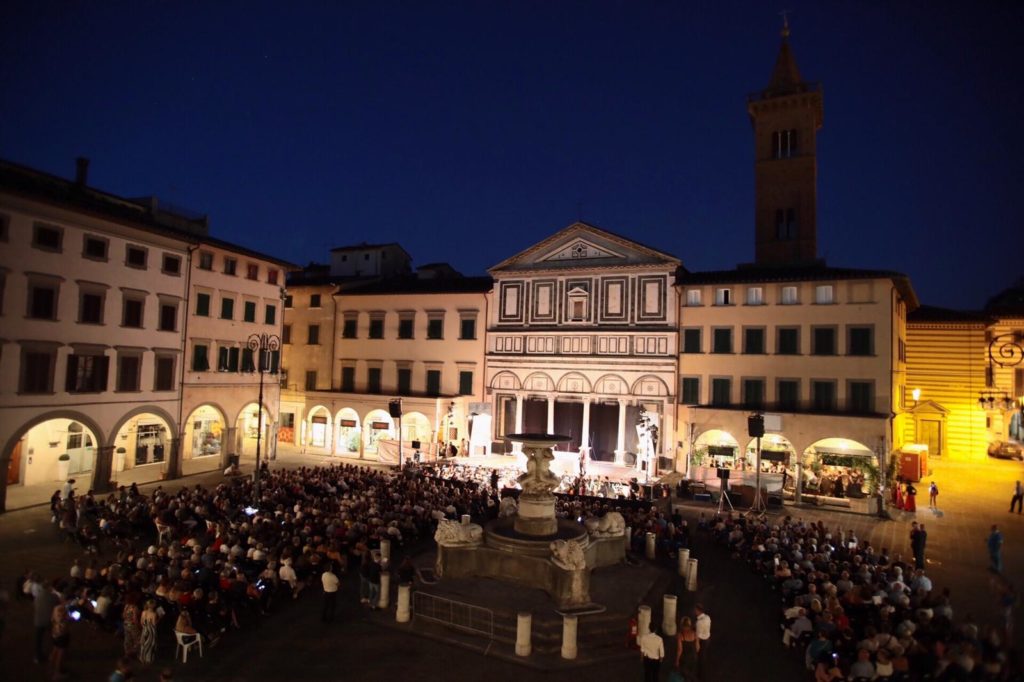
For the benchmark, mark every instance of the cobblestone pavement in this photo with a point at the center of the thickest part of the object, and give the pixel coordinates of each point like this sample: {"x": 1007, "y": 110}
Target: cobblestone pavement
{"x": 292, "y": 643}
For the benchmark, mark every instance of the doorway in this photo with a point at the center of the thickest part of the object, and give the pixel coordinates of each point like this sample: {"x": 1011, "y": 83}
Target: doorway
{"x": 930, "y": 433}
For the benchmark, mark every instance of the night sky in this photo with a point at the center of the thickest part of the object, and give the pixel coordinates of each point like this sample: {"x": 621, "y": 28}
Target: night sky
{"x": 467, "y": 131}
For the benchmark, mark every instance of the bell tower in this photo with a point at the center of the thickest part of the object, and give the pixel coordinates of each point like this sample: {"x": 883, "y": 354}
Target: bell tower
{"x": 786, "y": 117}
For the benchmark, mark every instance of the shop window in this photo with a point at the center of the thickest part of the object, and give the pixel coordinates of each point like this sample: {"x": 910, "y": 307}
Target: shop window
{"x": 200, "y": 358}
{"x": 313, "y": 335}
{"x": 405, "y": 327}
{"x": 691, "y": 340}
{"x": 689, "y": 390}
{"x": 348, "y": 379}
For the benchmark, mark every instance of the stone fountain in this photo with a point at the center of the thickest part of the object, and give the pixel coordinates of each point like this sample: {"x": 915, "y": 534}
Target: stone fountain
{"x": 529, "y": 545}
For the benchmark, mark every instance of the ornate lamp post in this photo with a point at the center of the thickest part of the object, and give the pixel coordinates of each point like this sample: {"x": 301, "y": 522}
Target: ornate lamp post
{"x": 1005, "y": 350}
{"x": 261, "y": 345}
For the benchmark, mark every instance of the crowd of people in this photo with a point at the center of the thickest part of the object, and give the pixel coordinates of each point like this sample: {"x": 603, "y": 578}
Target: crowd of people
{"x": 857, "y": 612}
{"x": 206, "y": 561}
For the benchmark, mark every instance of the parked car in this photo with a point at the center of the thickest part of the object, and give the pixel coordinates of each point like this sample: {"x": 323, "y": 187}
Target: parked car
{"x": 1006, "y": 449}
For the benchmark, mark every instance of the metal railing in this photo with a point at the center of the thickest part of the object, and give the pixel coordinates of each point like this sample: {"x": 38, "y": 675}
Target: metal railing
{"x": 455, "y": 614}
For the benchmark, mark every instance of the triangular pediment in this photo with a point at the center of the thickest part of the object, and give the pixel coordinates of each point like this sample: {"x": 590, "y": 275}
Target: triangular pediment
{"x": 929, "y": 407}
{"x": 583, "y": 246}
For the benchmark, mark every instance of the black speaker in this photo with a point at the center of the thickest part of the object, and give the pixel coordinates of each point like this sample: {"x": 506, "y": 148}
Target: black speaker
{"x": 415, "y": 445}
{"x": 395, "y": 408}
{"x": 723, "y": 474}
{"x": 755, "y": 426}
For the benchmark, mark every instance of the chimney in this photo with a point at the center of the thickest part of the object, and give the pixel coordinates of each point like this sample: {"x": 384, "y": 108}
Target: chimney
{"x": 81, "y": 171}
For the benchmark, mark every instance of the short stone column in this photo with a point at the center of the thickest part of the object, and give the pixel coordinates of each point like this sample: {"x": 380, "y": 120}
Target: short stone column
{"x": 668, "y": 614}
{"x": 684, "y": 563}
{"x": 385, "y": 589}
{"x": 524, "y": 625}
{"x": 466, "y": 519}
{"x": 691, "y": 579}
{"x": 403, "y": 613}
{"x": 650, "y": 548}
{"x": 385, "y": 551}
{"x": 570, "y": 625}
{"x": 643, "y": 621}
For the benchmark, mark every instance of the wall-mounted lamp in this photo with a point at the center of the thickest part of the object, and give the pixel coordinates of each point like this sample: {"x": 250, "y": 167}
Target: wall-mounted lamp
{"x": 917, "y": 395}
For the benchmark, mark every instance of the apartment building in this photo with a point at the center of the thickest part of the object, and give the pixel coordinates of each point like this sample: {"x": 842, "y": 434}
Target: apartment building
{"x": 95, "y": 304}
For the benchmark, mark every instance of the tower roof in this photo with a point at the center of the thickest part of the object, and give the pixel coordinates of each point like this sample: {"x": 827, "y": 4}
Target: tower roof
{"x": 786, "y": 78}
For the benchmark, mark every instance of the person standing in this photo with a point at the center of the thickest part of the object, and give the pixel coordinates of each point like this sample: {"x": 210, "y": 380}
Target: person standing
{"x": 910, "y": 501}
{"x": 918, "y": 539}
{"x": 652, "y": 648}
{"x": 933, "y": 496}
{"x": 995, "y": 549}
{"x": 330, "y": 581}
{"x": 687, "y": 650}
{"x": 42, "y": 611}
{"x": 702, "y": 625}
{"x": 1018, "y": 497}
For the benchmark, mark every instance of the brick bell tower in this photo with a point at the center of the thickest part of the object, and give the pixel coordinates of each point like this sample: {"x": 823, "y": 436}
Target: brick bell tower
{"x": 786, "y": 117}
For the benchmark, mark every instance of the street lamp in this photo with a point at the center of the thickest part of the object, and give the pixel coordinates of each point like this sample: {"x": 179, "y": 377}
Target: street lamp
{"x": 261, "y": 345}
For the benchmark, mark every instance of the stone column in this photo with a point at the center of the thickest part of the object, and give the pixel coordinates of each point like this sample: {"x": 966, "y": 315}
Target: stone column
{"x": 402, "y": 613}
{"x": 174, "y": 459}
{"x": 684, "y": 563}
{"x": 668, "y": 614}
{"x": 524, "y": 623}
{"x": 385, "y": 589}
{"x": 385, "y": 552}
{"x": 517, "y": 447}
{"x": 569, "y": 627}
{"x": 227, "y": 446}
{"x": 620, "y": 444}
{"x": 691, "y": 578}
{"x": 551, "y": 414}
{"x": 643, "y": 621}
{"x": 103, "y": 468}
{"x": 585, "y": 435}
{"x": 650, "y": 548}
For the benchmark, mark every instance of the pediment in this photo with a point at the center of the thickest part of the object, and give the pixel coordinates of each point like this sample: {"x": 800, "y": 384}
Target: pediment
{"x": 929, "y": 407}
{"x": 581, "y": 246}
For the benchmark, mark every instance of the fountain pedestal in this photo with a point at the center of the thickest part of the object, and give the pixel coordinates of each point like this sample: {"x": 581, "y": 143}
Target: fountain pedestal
{"x": 536, "y": 515}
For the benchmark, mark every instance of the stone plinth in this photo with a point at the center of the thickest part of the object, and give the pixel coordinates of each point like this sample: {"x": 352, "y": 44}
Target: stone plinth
{"x": 536, "y": 515}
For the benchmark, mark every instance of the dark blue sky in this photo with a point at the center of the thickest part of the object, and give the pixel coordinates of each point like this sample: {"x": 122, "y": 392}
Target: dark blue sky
{"x": 469, "y": 130}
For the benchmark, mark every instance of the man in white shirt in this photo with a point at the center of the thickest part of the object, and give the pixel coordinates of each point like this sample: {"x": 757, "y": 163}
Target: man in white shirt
{"x": 652, "y": 648}
{"x": 702, "y": 625}
{"x": 330, "y": 582}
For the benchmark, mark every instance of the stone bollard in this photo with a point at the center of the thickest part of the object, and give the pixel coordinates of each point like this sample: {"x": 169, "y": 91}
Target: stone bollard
{"x": 402, "y": 613}
{"x": 684, "y": 563}
{"x": 569, "y": 626}
{"x": 649, "y": 547}
{"x": 385, "y": 590}
{"x": 643, "y": 621}
{"x": 385, "y": 552}
{"x": 691, "y": 578}
{"x": 466, "y": 519}
{"x": 628, "y": 539}
{"x": 523, "y": 625}
{"x": 668, "y": 614}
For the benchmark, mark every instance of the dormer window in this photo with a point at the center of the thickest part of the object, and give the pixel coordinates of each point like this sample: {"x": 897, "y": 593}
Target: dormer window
{"x": 723, "y": 296}
{"x": 823, "y": 294}
{"x": 693, "y": 297}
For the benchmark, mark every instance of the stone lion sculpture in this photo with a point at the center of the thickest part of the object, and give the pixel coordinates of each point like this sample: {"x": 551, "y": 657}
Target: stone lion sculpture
{"x": 454, "y": 533}
{"x": 568, "y": 554}
{"x": 508, "y": 507}
{"x": 610, "y": 525}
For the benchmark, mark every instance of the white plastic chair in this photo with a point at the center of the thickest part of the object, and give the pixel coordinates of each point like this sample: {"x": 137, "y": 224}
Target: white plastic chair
{"x": 185, "y": 642}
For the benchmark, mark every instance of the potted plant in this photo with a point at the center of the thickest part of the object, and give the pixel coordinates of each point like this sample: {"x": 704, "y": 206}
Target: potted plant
{"x": 119, "y": 459}
{"x": 63, "y": 466}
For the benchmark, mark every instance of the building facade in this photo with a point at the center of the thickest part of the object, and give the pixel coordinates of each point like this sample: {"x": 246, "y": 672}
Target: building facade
{"x": 95, "y": 306}
{"x": 581, "y": 341}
